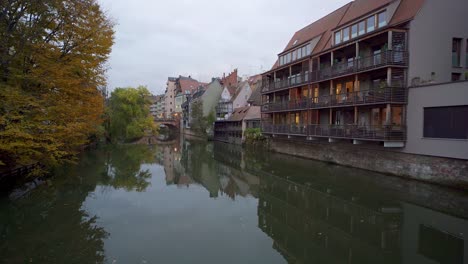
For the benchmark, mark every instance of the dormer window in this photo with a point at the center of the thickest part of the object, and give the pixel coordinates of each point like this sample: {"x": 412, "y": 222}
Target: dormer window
{"x": 337, "y": 37}
{"x": 382, "y": 18}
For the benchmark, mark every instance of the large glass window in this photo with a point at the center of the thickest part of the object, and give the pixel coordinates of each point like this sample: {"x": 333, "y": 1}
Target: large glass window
{"x": 371, "y": 24}
{"x": 299, "y": 53}
{"x": 346, "y": 34}
{"x": 294, "y": 55}
{"x": 382, "y": 19}
{"x": 309, "y": 49}
{"x": 456, "y": 52}
{"x": 362, "y": 28}
{"x": 288, "y": 58}
{"x": 337, "y": 37}
{"x": 354, "y": 30}
{"x": 446, "y": 122}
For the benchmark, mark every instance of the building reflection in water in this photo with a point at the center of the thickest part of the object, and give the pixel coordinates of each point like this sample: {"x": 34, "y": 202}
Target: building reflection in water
{"x": 320, "y": 213}
{"x": 219, "y": 172}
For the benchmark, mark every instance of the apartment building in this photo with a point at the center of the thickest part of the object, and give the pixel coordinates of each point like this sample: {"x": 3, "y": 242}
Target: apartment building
{"x": 390, "y": 73}
{"x": 169, "y": 97}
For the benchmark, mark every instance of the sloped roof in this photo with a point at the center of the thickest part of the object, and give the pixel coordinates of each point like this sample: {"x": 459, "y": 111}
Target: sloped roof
{"x": 232, "y": 90}
{"x": 238, "y": 114}
{"x": 360, "y": 8}
{"x": 322, "y": 27}
{"x": 348, "y": 13}
{"x": 254, "y": 79}
{"x": 256, "y": 97}
{"x": 239, "y": 89}
{"x": 188, "y": 84}
{"x": 407, "y": 10}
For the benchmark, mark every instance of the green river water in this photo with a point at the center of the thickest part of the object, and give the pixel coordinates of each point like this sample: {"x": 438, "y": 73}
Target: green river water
{"x": 198, "y": 202}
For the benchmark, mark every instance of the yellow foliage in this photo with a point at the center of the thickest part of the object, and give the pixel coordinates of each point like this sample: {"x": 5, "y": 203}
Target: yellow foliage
{"x": 53, "y": 73}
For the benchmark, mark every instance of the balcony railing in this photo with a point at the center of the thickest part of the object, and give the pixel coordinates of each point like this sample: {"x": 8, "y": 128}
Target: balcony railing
{"x": 386, "y": 58}
{"x": 375, "y": 133}
{"x": 298, "y": 79}
{"x": 373, "y": 96}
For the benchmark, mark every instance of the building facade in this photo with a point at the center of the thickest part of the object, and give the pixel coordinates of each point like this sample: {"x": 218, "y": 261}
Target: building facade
{"x": 357, "y": 76}
{"x": 169, "y": 97}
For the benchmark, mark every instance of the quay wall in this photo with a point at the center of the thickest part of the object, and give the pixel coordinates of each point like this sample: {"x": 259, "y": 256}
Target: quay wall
{"x": 442, "y": 171}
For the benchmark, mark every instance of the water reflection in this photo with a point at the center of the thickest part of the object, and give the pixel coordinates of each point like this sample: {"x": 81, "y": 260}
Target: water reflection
{"x": 122, "y": 203}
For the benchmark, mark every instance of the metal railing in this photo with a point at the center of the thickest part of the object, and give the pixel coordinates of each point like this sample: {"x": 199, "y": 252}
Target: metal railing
{"x": 373, "y": 96}
{"x": 298, "y": 79}
{"x": 386, "y": 58}
{"x": 376, "y": 133}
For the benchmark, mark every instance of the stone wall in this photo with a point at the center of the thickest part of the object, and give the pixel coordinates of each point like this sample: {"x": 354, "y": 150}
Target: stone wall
{"x": 444, "y": 171}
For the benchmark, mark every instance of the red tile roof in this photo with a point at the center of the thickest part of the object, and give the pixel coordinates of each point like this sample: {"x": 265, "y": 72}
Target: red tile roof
{"x": 317, "y": 28}
{"x": 346, "y": 14}
{"x": 361, "y": 8}
{"x": 407, "y": 10}
{"x": 188, "y": 84}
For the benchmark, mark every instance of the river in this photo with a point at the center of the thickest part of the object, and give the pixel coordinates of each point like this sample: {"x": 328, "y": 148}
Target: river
{"x": 197, "y": 202}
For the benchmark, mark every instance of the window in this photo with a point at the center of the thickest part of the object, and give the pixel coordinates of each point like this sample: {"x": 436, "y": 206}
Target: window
{"x": 299, "y": 53}
{"x": 354, "y": 30}
{"x": 309, "y": 49}
{"x": 446, "y": 122}
{"x": 382, "y": 19}
{"x": 371, "y": 24}
{"x": 337, "y": 37}
{"x": 294, "y": 55}
{"x": 346, "y": 34}
{"x": 362, "y": 28}
{"x": 288, "y": 58}
{"x": 456, "y": 77}
{"x": 456, "y": 52}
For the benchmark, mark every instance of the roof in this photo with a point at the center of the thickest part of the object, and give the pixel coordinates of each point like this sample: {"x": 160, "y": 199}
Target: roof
{"x": 238, "y": 114}
{"x": 188, "y": 84}
{"x": 256, "y": 97}
{"x": 322, "y": 27}
{"x": 407, "y": 10}
{"x": 254, "y": 79}
{"x": 360, "y": 8}
{"x": 232, "y": 90}
{"x": 239, "y": 89}
{"x": 348, "y": 13}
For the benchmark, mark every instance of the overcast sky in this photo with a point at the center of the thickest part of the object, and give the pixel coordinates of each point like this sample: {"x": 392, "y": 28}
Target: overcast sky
{"x": 156, "y": 39}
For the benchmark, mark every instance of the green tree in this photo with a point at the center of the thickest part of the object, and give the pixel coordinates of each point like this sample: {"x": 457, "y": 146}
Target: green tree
{"x": 52, "y": 73}
{"x": 129, "y": 114}
{"x": 198, "y": 121}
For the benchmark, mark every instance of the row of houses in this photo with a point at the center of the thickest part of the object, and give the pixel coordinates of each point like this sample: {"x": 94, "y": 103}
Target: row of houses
{"x": 225, "y": 101}
{"x": 388, "y": 73}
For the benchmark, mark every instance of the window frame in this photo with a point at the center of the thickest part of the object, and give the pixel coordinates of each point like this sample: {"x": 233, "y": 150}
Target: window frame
{"x": 346, "y": 29}
{"x": 357, "y": 30}
{"x": 384, "y": 22}
{"x": 337, "y": 36}
{"x": 373, "y": 28}
{"x": 363, "y": 22}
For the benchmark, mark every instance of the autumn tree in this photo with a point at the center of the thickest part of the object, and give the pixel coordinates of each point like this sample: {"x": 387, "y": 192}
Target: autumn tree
{"x": 129, "y": 114}
{"x": 52, "y": 77}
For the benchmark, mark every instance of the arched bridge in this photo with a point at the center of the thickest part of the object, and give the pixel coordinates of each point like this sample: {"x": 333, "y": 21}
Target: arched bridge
{"x": 171, "y": 122}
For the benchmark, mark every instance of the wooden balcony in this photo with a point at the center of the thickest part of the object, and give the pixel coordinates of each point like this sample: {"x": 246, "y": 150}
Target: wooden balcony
{"x": 385, "y": 95}
{"x": 371, "y": 133}
{"x": 376, "y": 61}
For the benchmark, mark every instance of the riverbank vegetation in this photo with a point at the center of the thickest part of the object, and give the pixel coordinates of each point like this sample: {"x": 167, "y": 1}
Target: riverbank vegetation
{"x": 53, "y": 56}
{"x": 129, "y": 116}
